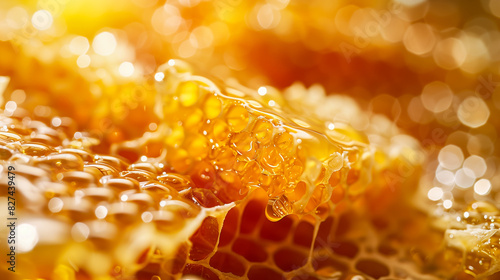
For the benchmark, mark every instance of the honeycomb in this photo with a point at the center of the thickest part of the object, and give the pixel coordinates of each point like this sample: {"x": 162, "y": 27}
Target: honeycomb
{"x": 177, "y": 174}
{"x": 216, "y": 158}
{"x": 229, "y": 185}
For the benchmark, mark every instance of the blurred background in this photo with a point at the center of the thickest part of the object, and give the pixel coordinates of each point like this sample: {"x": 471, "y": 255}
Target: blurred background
{"x": 432, "y": 67}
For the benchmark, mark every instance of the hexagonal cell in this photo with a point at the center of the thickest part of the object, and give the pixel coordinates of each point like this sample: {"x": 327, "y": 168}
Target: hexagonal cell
{"x": 229, "y": 227}
{"x": 288, "y": 259}
{"x": 228, "y": 263}
{"x": 252, "y": 215}
{"x": 250, "y": 250}
{"x": 200, "y": 270}
{"x": 204, "y": 239}
{"x": 372, "y": 268}
{"x": 276, "y": 231}
{"x": 260, "y": 272}
{"x": 304, "y": 233}
{"x": 345, "y": 248}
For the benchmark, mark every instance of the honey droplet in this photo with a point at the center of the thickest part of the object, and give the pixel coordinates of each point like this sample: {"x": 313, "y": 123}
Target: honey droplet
{"x": 278, "y": 208}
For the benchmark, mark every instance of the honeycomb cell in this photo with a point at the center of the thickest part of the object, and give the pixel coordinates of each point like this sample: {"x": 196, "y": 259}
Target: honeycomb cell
{"x": 5, "y": 153}
{"x": 320, "y": 195}
{"x": 293, "y": 170}
{"x": 372, "y": 268}
{"x": 224, "y": 158}
{"x": 138, "y": 175}
{"x": 100, "y": 169}
{"x": 271, "y": 160}
{"x": 129, "y": 153}
{"x": 177, "y": 181}
{"x": 84, "y": 154}
{"x": 227, "y": 263}
{"x": 237, "y": 118}
{"x": 230, "y": 227}
{"x": 201, "y": 271}
{"x": 324, "y": 232}
{"x": 250, "y": 250}
{"x": 263, "y": 131}
{"x": 285, "y": 143}
{"x": 288, "y": 259}
{"x": 337, "y": 193}
{"x": 344, "y": 224}
{"x": 203, "y": 175}
{"x": 251, "y": 173}
{"x": 212, "y": 107}
{"x": 220, "y": 131}
{"x": 228, "y": 186}
{"x": 62, "y": 162}
{"x": 9, "y": 137}
{"x": 304, "y": 234}
{"x": 204, "y": 239}
{"x": 346, "y": 249}
{"x": 205, "y": 198}
{"x": 276, "y": 231}
{"x": 36, "y": 149}
{"x": 157, "y": 191}
{"x": 121, "y": 184}
{"x": 298, "y": 192}
{"x": 77, "y": 179}
{"x": 258, "y": 272}
{"x": 252, "y": 215}
{"x": 325, "y": 266}
{"x": 146, "y": 166}
{"x": 245, "y": 145}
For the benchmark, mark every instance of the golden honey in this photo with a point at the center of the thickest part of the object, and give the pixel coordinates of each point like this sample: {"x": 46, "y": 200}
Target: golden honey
{"x": 133, "y": 164}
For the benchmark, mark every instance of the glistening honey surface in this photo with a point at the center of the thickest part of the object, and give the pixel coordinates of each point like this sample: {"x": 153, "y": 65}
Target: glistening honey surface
{"x": 229, "y": 185}
{"x": 129, "y": 170}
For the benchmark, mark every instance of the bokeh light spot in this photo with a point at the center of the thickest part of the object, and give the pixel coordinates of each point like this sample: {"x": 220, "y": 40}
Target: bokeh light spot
{"x": 104, "y": 43}
{"x": 473, "y": 112}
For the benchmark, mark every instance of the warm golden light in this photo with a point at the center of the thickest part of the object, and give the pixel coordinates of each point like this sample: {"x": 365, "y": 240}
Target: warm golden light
{"x": 268, "y": 139}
